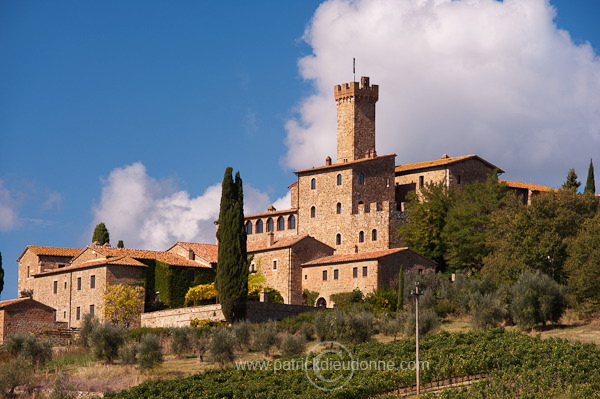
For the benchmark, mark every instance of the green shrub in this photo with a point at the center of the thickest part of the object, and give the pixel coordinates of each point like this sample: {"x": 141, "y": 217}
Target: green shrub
{"x": 382, "y": 299}
{"x": 200, "y": 340}
{"x": 28, "y": 346}
{"x": 428, "y": 321}
{"x": 293, "y": 324}
{"x": 88, "y": 324}
{"x": 292, "y": 345}
{"x": 487, "y": 311}
{"x": 310, "y": 297}
{"x": 105, "y": 341}
{"x": 390, "y": 326}
{"x": 17, "y": 371}
{"x": 180, "y": 341}
{"x": 264, "y": 337}
{"x": 307, "y": 331}
{"x": 149, "y": 354}
{"x": 346, "y": 327}
{"x": 345, "y": 300}
{"x": 220, "y": 347}
{"x": 128, "y": 352}
{"x": 536, "y": 298}
{"x": 243, "y": 333}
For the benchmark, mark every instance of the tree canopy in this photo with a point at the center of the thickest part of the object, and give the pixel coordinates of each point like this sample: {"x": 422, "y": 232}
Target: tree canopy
{"x": 101, "y": 235}
{"x": 571, "y": 183}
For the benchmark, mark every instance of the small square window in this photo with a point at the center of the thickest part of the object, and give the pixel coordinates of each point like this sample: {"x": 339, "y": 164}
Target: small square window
{"x": 336, "y": 274}
{"x": 365, "y": 271}
{"x": 355, "y": 272}
{"x": 324, "y": 275}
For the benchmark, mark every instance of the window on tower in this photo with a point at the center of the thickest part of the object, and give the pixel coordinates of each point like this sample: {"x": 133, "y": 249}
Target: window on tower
{"x": 338, "y": 208}
{"x": 313, "y": 183}
{"x": 280, "y": 223}
{"x": 361, "y": 178}
{"x": 292, "y": 222}
{"x": 313, "y": 212}
{"x": 259, "y": 226}
{"x": 270, "y": 224}
{"x": 248, "y": 227}
{"x": 339, "y": 179}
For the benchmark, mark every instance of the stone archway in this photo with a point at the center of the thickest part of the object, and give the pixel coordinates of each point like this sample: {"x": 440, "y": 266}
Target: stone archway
{"x": 321, "y": 303}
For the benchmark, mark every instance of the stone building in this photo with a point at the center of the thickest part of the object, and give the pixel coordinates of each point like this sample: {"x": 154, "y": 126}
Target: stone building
{"x": 76, "y": 285}
{"x": 25, "y": 315}
{"x": 339, "y": 233}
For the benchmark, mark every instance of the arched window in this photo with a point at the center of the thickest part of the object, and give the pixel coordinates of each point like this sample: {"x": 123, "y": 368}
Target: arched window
{"x": 339, "y": 179}
{"x": 280, "y": 223}
{"x": 338, "y": 239}
{"x": 374, "y": 235}
{"x": 270, "y": 224}
{"x": 292, "y": 222}
{"x": 361, "y": 178}
{"x": 321, "y": 303}
{"x": 313, "y": 183}
{"x": 313, "y": 212}
{"x": 338, "y": 208}
{"x": 361, "y": 236}
{"x": 248, "y": 227}
{"x": 259, "y": 226}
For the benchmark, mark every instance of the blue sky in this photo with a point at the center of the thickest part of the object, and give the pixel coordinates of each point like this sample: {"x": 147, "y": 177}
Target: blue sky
{"x": 128, "y": 112}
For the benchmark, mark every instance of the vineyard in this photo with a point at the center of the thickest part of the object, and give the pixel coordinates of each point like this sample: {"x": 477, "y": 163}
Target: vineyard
{"x": 518, "y": 365}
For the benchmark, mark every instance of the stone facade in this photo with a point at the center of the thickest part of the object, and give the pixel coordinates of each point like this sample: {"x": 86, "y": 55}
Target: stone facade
{"x": 35, "y": 259}
{"x": 25, "y": 315}
{"x": 452, "y": 171}
{"x": 365, "y": 272}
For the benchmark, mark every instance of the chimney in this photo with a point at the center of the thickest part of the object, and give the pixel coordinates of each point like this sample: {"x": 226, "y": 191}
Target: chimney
{"x": 270, "y": 239}
{"x": 191, "y": 254}
{"x": 271, "y": 209}
{"x": 356, "y": 249}
{"x": 328, "y": 161}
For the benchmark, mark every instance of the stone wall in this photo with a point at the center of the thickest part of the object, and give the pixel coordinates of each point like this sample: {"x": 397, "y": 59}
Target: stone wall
{"x": 181, "y": 317}
{"x": 25, "y": 317}
{"x": 256, "y": 312}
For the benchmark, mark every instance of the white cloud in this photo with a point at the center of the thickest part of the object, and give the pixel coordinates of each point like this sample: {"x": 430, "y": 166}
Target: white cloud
{"x": 466, "y": 76}
{"x": 9, "y": 216}
{"x": 284, "y": 202}
{"x": 151, "y": 214}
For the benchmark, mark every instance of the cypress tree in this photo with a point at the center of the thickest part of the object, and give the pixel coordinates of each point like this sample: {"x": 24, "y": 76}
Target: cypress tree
{"x": 590, "y": 184}
{"x": 101, "y": 234}
{"x": 1, "y": 274}
{"x": 120, "y": 244}
{"x": 232, "y": 268}
{"x": 400, "y": 303}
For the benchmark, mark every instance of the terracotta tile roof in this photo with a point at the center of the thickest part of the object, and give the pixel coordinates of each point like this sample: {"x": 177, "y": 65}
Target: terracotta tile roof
{"x": 354, "y": 257}
{"x": 167, "y": 257}
{"x": 209, "y": 252}
{"x": 528, "y": 186}
{"x": 283, "y": 242}
{"x": 273, "y": 213}
{"x": 117, "y": 260}
{"x": 5, "y": 304}
{"x": 51, "y": 251}
{"x": 442, "y": 162}
{"x": 293, "y": 184}
{"x": 344, "y": 164}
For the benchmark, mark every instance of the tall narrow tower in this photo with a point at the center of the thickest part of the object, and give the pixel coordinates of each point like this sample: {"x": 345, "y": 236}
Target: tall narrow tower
{"x": 355, "y": 119}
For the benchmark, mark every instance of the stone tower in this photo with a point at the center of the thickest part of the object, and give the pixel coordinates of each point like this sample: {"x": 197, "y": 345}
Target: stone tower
{"x": 355, "y": 119}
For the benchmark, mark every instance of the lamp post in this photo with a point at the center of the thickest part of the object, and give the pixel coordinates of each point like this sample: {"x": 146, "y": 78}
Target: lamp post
{"x": 417, "y": 292}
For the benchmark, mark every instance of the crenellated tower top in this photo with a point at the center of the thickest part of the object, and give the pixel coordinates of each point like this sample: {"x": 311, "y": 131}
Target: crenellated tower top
{"x": 355, "y": 119}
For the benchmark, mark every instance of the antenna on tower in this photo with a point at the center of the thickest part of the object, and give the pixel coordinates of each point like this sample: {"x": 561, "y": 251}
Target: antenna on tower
{"x": 354, "y": 68}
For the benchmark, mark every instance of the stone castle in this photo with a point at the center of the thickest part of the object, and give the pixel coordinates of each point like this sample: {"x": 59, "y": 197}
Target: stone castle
{"x": 339, "y": 233}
